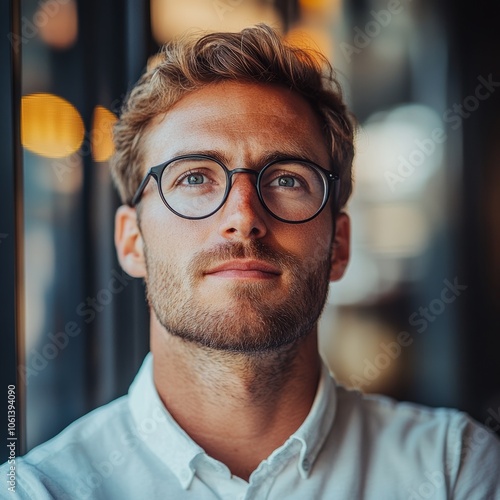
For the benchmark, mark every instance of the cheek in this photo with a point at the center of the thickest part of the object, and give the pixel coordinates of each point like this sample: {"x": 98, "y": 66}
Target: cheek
{"x": 173, "y": 238}
{"x": 317, "y": 246}
{"x": 312, "y": 239}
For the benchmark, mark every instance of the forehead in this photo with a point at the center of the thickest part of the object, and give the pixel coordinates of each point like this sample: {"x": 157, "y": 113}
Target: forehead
{"x": 241, "y": 121}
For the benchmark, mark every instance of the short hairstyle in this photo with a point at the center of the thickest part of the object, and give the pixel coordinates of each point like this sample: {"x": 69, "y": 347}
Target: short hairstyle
{"x": 256, "y": 55}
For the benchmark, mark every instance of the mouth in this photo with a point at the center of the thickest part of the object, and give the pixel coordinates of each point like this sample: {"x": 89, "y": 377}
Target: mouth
{"x": 244, "y": 269}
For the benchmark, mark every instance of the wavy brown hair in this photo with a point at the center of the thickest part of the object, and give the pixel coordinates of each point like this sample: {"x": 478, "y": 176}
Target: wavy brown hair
{"x": 257, "y": 55}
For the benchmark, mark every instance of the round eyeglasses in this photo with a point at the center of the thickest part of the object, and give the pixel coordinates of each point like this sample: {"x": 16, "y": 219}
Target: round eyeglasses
{"x": 193, "y": 186}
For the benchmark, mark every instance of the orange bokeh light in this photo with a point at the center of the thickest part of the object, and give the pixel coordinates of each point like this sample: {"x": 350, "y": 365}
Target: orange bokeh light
{"x": 102, "y": 134}
{"x": 50, "y": 126}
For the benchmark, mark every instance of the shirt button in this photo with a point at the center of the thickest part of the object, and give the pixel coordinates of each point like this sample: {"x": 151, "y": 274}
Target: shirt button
{"x": 305, "y": 464}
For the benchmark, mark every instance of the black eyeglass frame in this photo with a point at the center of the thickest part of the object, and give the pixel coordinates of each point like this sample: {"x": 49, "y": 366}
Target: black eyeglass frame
{"x": 157, "y": 172}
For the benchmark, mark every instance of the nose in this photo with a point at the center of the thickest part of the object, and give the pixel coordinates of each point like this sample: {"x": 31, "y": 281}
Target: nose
{"x": 242, "y": 216}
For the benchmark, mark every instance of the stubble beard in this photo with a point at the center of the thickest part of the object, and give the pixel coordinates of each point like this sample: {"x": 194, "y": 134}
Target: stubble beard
{"x": 251, "y": 323}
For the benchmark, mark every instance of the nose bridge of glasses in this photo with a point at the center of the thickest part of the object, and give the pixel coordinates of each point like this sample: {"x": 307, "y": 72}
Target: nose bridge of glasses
{"x": 242, "y": 171}
{"x": 231, "y": 174}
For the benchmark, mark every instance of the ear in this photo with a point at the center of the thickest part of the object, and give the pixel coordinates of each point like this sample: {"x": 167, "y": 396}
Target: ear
{"x": 128, "y": 242}
{"x": 341, "y": 247}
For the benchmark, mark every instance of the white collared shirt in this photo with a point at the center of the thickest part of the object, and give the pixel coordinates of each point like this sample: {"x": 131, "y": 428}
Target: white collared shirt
{"x": 350, "y": 446}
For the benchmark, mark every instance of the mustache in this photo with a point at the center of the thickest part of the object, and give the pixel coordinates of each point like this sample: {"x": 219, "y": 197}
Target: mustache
{"x": 206, "y": 259}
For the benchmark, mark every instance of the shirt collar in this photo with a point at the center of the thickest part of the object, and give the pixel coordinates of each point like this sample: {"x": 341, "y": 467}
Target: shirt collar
{"x": 173, "y": 446}
{"x": 316, "y": 427}
{"x": 158, "y": 429}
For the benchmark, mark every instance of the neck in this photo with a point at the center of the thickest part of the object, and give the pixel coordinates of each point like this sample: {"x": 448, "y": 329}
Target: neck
{"x": 238, "y": 407}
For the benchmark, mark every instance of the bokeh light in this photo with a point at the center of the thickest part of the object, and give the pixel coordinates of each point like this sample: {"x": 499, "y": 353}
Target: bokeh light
{"x": 58, "y": 23}
{"x": 50, "y": 126}
{"x": 102, "y": 134}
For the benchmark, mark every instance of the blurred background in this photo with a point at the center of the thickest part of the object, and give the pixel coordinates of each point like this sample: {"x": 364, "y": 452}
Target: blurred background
{"x": 416, "y": 316}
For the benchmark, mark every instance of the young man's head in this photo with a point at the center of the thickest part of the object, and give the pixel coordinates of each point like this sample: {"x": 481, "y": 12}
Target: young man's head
{"x": 256, "y": 55}
{"x": 252, "y": 148}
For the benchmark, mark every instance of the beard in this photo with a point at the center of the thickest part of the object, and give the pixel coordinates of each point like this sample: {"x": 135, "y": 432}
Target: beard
{"x": 252, "y": 322}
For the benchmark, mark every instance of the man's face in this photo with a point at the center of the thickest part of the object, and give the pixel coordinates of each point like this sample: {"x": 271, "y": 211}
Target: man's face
{"x": 238, "y": 280}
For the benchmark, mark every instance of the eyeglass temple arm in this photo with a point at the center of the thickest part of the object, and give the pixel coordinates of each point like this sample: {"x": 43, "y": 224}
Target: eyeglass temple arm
{"x": 140, "y": 189}
{"x": 335, "y": 179}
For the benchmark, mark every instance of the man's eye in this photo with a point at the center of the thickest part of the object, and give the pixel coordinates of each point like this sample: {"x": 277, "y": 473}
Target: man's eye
{"x": 286, "y": 181}
{"x": 194, "y": 179}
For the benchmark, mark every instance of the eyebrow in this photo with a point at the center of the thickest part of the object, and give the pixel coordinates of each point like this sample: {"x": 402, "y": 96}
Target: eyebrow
{"x": 296, "y": 152}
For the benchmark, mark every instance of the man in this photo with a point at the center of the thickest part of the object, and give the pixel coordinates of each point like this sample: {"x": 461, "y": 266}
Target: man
{"x": 233, "y": 158}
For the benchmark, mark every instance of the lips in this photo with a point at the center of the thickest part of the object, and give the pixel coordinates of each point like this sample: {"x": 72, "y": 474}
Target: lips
{"x": 244, "y": 269}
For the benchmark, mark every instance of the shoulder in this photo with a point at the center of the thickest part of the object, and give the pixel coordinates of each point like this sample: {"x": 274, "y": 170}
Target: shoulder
{"x": 432, "y": 442}
{"x": 94, "y": 428}
{"x": 377, "y": 412}
{"x": 43, "y": 472}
